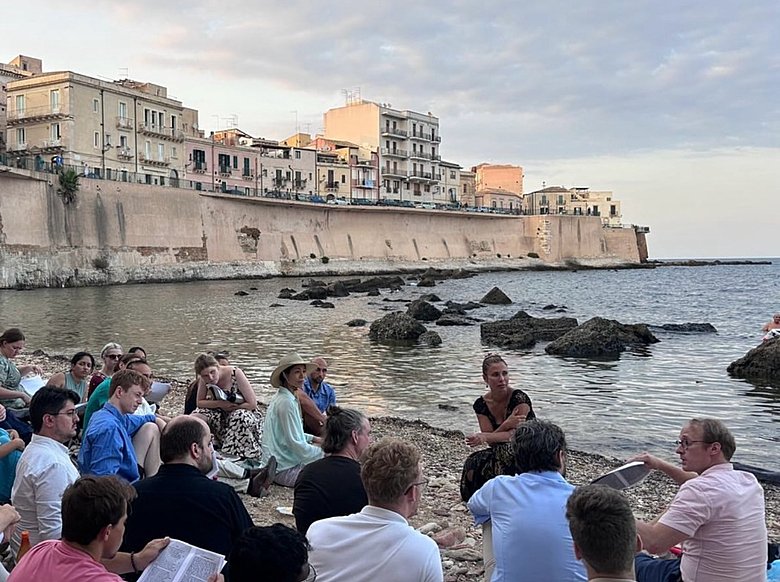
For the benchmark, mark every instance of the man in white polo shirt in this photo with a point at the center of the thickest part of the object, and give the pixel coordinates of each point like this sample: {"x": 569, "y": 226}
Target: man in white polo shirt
{"x": 378, "y": 544}
{"x": 717, "y": 514}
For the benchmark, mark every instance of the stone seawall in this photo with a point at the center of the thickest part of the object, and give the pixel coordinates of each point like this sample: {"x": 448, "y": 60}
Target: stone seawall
{"x": 119, "y": 232}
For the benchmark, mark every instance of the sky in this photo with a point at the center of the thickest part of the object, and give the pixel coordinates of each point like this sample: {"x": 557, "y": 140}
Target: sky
{"x": 674, "y": 106}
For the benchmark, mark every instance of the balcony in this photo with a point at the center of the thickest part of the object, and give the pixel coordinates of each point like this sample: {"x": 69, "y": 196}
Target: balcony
{"x": 248, "y": 177}
{"x": 394, "y": 152}
{"x": 124, "y": 153}
{"x": 157, "y": 130}
{"x": 17, "y": 147}
{"x": 331, "y": 186}
{"x": 421, "y": 135}
{"x": 225, "y": 171}
{"x": 299, "y": 184}
{"x": 394, "y": 131}
{"x": 44, "y": 113}
{"x": 279, "y": 182}
{"x": 124, "y": 123}
{"x": 420, "y": 175}
{"x": 148, "y": 159}
{"x": 364, "y": 183}
{"x": 437, "y": 138}
{"x": 393, "y": 173}
{"x": 52, "y": 144}
{"x": 200, "y": 167}
{"x": 421, "y": 155}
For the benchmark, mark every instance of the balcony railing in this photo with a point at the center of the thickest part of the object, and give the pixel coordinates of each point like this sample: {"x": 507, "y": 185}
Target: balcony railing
{"x": 30, "y": 113}
{"x": 331, "y": 186}
{"x": 420, "y": 174}
{"x": 357, "y": 183}
{"x": 395, "y": 131}
{"x": 248, "y": 176}
{"x": 199, "y": 167}
{"x": 52, "y": 143}
{"x": 124, "y": 123}
{"x": 124, "y": 153}
{"x": 437, "y": 138}
{"x": 160, "y": 131}
{"x": 394, "y": 152}
{"x": 17, "y": 147}
{"x": 147, "y": 159}
{"x": 225, "y": 171}
{"x": 422, "y": 135}
{"x": 394, "y": 173}
{"x": 422, "y": 155}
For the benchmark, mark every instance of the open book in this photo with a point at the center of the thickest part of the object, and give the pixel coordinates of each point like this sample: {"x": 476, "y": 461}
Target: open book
{"x": 31, "y": 384}
{"x": 181, "y": 562}
{"x": 624, "y": 476}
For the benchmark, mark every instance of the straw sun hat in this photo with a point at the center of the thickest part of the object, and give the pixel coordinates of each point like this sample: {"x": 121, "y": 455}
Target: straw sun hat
{"x": 286, "y": 362}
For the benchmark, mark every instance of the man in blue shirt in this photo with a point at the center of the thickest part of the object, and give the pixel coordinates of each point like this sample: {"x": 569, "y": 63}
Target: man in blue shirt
{"x": 317, "y": 388}
{"x": 530, "y": 533}
{"x": 116, "y": 439}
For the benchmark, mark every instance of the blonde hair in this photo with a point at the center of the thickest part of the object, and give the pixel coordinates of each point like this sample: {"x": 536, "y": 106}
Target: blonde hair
{"x": 388, "y": 469}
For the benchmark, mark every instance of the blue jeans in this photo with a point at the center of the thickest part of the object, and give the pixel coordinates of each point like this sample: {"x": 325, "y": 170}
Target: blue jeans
{"x": 12, "y": 422}
{"x": 649, "y": 569}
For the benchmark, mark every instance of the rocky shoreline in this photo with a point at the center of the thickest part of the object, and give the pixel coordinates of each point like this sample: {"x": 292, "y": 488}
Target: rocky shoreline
{"x": 442, "y": 514}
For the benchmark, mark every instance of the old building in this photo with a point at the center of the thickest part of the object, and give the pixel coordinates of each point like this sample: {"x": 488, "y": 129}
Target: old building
{"x": 407, "y": 144}
{"x": 18, "y": 68}
{"x": 504, "y": 177}
{"x": 576, "y": 202}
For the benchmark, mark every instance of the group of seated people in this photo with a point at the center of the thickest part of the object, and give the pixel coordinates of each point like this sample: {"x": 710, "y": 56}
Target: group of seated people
{"x": 145, "y": 479}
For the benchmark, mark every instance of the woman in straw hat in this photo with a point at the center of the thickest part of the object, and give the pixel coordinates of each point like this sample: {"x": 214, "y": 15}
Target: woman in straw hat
{"x": 284, "y": 437}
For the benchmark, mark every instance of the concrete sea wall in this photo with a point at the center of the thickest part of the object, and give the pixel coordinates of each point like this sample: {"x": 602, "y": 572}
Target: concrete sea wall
{"x": 117, "y": 232}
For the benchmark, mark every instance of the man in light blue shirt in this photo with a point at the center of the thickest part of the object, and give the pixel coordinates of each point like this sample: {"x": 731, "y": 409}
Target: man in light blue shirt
{"x": 530, "y": 533}
{"x": 317, "y": 388}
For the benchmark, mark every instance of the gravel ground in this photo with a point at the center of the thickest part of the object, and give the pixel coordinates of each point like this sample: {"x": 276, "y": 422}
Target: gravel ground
{"x": 441, "y": 512}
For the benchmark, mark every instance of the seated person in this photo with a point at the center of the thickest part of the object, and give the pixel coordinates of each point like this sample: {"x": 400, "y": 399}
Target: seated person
{"x": 275, "y": 553}
{"x": 283, "y": 438}
{"x": 12, "y": 395}
{"x": 11, "y": 447}
{"x": 81, "y": 366}
{"x": 110, "y": 355}
{"x": 8, "y": 520}
{"x": 321, "y": 393}
{"x": 332, "y": 485}
{"x": 99, "y": 396}
{"x": 116, "y": 438}
{"x": 94, "y": 510}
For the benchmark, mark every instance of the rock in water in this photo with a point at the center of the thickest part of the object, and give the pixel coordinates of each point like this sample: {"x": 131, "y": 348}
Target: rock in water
{"x": 496, "y": 297}
{"x": 423, "y": 311}
{"x": 426, "y": 282}
{"x": 315, "y": 292}
{"x": 286, "y": 293}
{"x": 600, "y": 338}
{"x": 241, "y": 293}
{"x": 689, "y": 327}
{"x": 356, "y": 323}
{"x": 522, "y": 331}
{"x": 430, "y": 338}
{"x": 396, "y": 328}
{"x": 760, "y": 363}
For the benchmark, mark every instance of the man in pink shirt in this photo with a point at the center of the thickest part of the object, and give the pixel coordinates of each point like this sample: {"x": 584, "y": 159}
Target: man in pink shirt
{"x": 717, "y": 514}
{"x": 94, "y": 511}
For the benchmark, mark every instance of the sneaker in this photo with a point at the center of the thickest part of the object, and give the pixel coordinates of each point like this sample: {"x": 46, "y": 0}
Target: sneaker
{"x": 260, "y": 480}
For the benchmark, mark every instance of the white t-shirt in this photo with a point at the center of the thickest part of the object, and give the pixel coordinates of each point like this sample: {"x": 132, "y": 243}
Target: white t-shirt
{"x": 722, "y": 510}
{"x": 375, "y": 545}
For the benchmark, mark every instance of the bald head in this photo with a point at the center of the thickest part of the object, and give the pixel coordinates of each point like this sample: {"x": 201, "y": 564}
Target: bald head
{"x": 181, "y": 437}
{"x": 317, "y": 375}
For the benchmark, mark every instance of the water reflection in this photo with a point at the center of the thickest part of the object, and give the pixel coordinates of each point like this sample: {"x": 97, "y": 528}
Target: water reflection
{"x": 636, "y": 402}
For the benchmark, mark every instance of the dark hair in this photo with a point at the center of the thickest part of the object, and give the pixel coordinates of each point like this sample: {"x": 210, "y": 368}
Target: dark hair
{"x": 91, "y": 503}
{"x": 204, "y": 361}
{"x": 129, "y": 357}
{"x": 536, "y": 444}
{"x": 603, "y": 527}
{"x": 274, "y": 553}
{"x": 78, "y": 355}
{"x": 124, "y": 379}
{"x": 489, "y": 360}
{"x": 136, "y": 362}
{"x": 177, "y": 437}
{"x": 136, "y": 349}
{"x": 714, "y": 431}
{"x": 11, "y": 335}
{"x": 49, "y": 400}
{"x": 339, "y": 427}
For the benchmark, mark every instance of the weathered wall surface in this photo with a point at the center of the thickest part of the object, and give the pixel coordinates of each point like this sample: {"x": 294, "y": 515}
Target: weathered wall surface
{"x": 116, "y": 232}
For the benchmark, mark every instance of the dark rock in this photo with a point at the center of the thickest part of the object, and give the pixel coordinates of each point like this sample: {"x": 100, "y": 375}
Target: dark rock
{"x": 253, "y": 288}
{"x": 337, "y": 289}
{"x": 689, "y": 327}
{"x": 522, "y": 331}
{"x": 450, "y": 319}
{"x": 276, "y": 305}
{"x": 430, "y": 338}
{"x": 464, "y": 306}
{"x": 426, "y": 282}
{"x": 241, "y": 293}
{"x": 359, "y": 286}
{"x": 312, "y": 283}
{"x": 356, "y": 323}
{"x": 760, "y": 363}
{"x": 601, "y": 338}
{"x": 495, "y": 297}
{"x": 448, "y": 407}
{"x": 388, "y": 300}
{"x": 396, "y": 328}
{"x": 373, "y": 293}
{"x": 442, "y": 274}
{"x": 395, "y": 288}
{"x": 286, "y": 293}
{"x": 430, "y": 297}
{"x": 322, "y": 304}
{"x": 558, "y": 308}
{"x": 423, "y": 311}
{"x": 316, "y": 292}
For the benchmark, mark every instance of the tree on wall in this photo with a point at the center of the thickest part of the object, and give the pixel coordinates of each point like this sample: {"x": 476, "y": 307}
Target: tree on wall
{"x": 69, "y": 185}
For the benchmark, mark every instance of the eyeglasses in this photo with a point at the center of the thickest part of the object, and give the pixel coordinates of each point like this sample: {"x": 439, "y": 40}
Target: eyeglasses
{"x": 70, "y": 413}
{"x": 421, "y": 484}
{"x": 113, "y": 356}
{"x": 312, "y": 575}
{"x": 686, "y": 444}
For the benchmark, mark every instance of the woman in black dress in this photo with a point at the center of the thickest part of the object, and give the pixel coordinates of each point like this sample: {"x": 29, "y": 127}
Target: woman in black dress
{"x": 499, "y": 412}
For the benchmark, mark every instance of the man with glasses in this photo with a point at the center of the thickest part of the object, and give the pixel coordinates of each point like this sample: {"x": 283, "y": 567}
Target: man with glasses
{"x": 378, "y": 544}
{"x": 181, "y": 501}
{"x": 717, "y": 514}
{"x": 531, "y": 540}
{"x": 45, "y": 470}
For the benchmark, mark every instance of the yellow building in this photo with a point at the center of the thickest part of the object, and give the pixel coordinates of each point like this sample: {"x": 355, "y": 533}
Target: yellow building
{"x": 495, "y": 177}
{"x": 122, "y": 130}
{"x": 575, "y": 201}
{"x": 407, "y": 145}
{"x": 19, "y": 68}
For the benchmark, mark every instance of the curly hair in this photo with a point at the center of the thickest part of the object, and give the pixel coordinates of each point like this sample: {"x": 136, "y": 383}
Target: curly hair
{"x": 274, "y": 553}
{"x": 388, "y": 468}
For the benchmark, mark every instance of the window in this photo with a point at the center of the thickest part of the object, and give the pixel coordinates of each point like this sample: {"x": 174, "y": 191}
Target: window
{"x": 224, "y": 163}
{"x": 95, "y": 106}
{"x": 147, "y": 116}
{"x": 123, "y": 141}
{"x": 452, "y": 174}
{"x": 123, "y": 110}
{"x": 246, "y": 167}
{"x": 612, "y": 210}
{"x": 21, "y": 136}
{"x": 297, "y": 155}
{"x": 96, "y": 139}
{"x": 148, "y": 150}
{"x": 54, "y": 100}
{"x": 20, "y": 103}
{"x": 174, "y": 152}
{"x": 108, "y": 139}
{"x": 343, "y": 179}
{"x": 54, "y": 132}
{"x": 161, "y": 117}
{"x": 235, "y": 162}
{"x": 173, "y": 122}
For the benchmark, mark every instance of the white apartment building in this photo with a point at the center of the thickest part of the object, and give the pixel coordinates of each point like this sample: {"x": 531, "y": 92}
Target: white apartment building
{"x": 407, "y": 144}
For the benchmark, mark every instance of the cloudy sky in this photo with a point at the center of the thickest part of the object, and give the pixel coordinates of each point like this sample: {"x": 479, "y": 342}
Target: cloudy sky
{"x": 674, "y": 105}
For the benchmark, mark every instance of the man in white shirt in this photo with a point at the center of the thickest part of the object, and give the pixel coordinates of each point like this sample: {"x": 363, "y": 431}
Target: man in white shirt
{"x": 378, "y": 544}
{"x": 717, "y": 515}
{"x": 45, "y": 470}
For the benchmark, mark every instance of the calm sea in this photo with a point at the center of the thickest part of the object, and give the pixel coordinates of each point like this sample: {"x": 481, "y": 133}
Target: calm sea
{"x": 615, "y": 407}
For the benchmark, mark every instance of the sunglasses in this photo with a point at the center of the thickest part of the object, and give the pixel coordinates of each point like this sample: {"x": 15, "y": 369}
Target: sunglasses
{"x": 113, "y": 356}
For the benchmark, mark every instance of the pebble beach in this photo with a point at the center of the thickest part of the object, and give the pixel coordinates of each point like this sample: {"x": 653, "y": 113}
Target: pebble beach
{"x": 442, "y": 514}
